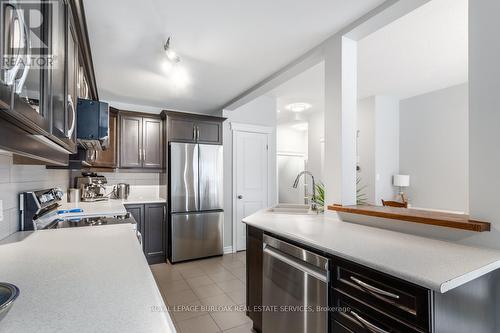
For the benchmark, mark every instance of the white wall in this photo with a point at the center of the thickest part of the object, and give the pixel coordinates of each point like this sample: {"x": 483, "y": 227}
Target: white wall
{"x": 386, "y": 146}
{"x": 378, "y": 146}
{"x": 290, "y": 140}
{"x": 434, "y": 148}
{"x": 260, "y": 111}
{"x": 484, "y": 118}
{"x": 316, "y": 145}
{"x": 15, "y": 179}
{"x": 366, "y": 147}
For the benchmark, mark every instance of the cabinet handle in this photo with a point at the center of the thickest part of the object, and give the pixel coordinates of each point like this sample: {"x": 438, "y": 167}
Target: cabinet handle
{"x": 140, "y": 154}
{"x": 143, "y": 154}
{"x": 11, "y": 74}
{"x": 374, "y": 289}
{"x": 197, "y": 133}
{"x": 73, "y": 119}
{"x": 27, "y": 66}
{"x": 194, "y": 133}
{"x": 367, "y": 324}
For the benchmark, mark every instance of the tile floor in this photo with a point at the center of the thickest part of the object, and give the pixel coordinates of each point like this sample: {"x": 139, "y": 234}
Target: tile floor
{"x": 206, "y": 296}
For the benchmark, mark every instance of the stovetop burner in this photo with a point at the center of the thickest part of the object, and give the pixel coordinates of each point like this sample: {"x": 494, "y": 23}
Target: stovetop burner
{"x": 91, "y": 221}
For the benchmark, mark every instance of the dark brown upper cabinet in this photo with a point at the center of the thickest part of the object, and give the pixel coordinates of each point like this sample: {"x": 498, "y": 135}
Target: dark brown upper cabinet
{"x": 108, "y": 158}
{"x": 193, "y": 128}
{"x": 37, "y": 103}
{"x": 141, "y": 141}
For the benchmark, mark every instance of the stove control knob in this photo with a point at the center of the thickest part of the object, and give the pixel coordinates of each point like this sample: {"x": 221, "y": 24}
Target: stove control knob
{"x": 58, "y": 193}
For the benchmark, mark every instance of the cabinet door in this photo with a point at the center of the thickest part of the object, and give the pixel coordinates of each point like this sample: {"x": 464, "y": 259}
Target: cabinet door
{"x": 209, "y": 132}
{"x": 130, "y": 141}
{"x": 107, "y": 158}
{"x": 72, "y": 75}
{"x": 152, "y": 143}
{"x": 182, "y": 130}
{"x": 58, "y": 71}
{"x": 254, "y": 276}
{"x": 155, "y": 233}
{"x": 137, "y": 211}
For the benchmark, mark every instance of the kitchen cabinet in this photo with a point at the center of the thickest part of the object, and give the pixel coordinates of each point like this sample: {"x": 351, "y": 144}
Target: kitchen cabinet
{"x": 374, "y": 299}
{"x": 152, "y": 142}
{"x": 151, "y": 222}
{"x": 108, "y": 158}
{"x": 37, "y": 102}
{"x": 254, "y": 273}
{"x": 141, "y": 141}
{"x": 155, "y": 229}
{"x": 137, "y": 211}
{"x": 193, "y": 128}
{"x": 71, "y": 78}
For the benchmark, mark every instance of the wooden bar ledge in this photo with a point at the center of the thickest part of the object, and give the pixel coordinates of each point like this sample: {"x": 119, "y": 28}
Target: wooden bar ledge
{"x": 449, "y": 220}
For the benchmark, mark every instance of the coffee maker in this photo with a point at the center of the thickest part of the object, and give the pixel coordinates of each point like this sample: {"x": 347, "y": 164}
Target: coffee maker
{"x": 91, "y": 186}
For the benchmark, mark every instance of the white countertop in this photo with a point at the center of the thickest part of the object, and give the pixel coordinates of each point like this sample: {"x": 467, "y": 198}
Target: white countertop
{"x": 142, "y": 200}
{"x": 430, "y": 263}
{"x": 109, "y": 207}
{"x": 92, "y": 279}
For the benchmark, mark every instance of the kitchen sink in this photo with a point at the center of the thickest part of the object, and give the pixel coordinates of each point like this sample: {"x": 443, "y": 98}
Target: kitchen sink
{"x": 292, "y": 209}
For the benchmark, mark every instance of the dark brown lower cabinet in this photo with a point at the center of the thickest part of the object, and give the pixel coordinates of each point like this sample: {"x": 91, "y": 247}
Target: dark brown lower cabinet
{"x": 152, "y": 223}
{"x": 362, "y": 300}
{"x": 254, "y": 276}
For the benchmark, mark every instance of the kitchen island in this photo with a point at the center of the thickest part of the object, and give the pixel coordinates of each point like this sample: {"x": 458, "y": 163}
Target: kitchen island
{"x": 89, "y": 279}
{"x": 434, "y": 281}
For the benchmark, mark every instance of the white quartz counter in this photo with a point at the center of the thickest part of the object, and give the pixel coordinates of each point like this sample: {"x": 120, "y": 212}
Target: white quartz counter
{"x": 434, "y": 264}
{"x": 81, "y": 280}
{"x": 107, "y": 208}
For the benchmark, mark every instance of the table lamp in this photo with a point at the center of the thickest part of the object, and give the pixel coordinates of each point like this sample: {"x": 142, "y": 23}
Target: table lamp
{"x": 401, "y": 181}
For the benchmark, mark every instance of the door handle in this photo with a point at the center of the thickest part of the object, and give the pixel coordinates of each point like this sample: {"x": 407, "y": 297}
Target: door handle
{"x": 240, "y": 197}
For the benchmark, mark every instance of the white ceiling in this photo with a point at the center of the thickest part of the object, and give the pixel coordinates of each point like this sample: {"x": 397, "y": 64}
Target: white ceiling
{"x": 307, "y": 87}
{"x": 226, "y": 46}
{"x": 425, "y": 50}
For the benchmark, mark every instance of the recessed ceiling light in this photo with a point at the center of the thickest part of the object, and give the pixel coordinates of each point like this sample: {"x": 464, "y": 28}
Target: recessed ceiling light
{"x": 298, "y": 107}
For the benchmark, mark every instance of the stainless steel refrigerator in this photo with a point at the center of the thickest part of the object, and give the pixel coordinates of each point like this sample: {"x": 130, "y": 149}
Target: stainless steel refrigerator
{"x": 196, "y": 201}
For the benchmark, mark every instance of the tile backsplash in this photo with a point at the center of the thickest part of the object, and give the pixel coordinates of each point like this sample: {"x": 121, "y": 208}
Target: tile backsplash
{"x": 15, "y": 179}
{"x": 19, "y": 178}
{"x": 132, "y": 178}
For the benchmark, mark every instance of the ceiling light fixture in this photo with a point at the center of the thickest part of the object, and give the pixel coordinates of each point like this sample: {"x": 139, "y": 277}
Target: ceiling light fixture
{"x": 171, "y": 54}
{"x": 298, "y": 107}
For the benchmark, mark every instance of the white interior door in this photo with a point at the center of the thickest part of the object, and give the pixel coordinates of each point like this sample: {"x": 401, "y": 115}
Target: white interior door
{"x": 252, "y": 179}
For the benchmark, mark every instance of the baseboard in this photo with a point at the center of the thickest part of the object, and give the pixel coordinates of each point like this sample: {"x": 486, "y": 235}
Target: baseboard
{"x": 228, "y": 249}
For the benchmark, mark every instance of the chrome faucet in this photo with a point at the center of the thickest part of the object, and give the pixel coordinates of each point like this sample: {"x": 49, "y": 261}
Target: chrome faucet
{"x": 296, "y": 183}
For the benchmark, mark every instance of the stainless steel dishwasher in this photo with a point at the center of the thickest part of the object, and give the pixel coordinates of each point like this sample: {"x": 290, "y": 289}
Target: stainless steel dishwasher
{"x": 295, "y": 289}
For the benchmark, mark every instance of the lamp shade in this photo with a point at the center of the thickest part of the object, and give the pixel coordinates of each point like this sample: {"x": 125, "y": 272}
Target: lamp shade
{"x": 401, "y": 180}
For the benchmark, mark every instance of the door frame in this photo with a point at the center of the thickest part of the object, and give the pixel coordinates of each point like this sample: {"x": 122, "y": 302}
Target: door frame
{"x": 240, "y": 127}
